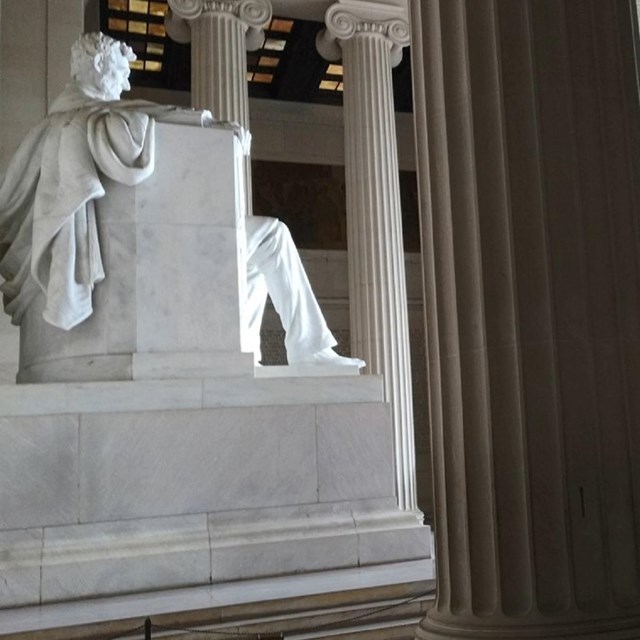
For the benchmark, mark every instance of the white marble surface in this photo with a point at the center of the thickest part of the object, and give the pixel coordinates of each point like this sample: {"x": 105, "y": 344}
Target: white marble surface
{"x": 264, "y": 542}
{"x": 160, "y": 463}
{"x": 275, "y": 523}
{"x": 101, "y": 559}
{"x": 217, "y": 595}
{"x": 38, "y": 471}
{"x": 85, "y": 368}
{"x": 118, "y": 242}
{"x": 393, "y": 545}
{"x": 134, "y": 497}
{"x": 287, "y": 556}
{"x": 184, "y": 160}
{"x": 41, "y": 342}
{"x": 196, "y": 393}
{"x": 269, "y": 542}
{"x": 187, "y": 288}
{"x": 354, "y": 452}
{"x": 273, "y": 390}
{"x": 93, "y": 560}
{"x": 144, "y": 395}
{"x": 32, "y": 399}
{"x": 149, "y": 366}
{"x": 170, "y": 253}
{"x": 306, "y": 371}
{"x": 20, "y": 557}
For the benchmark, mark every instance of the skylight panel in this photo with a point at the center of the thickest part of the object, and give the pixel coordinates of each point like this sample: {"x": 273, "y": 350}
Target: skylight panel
{"x": 139, "y": 6}
{"x": 116, "y": 24}
{"x": 141, "y": 24}
{"x": 332, "y": 81}
{"x": 268, "y": 61}
{"x": 158, "y": 8}
{"x": 275, "y": 44}
{"x": 264, "y": 78}
{"x": 283, "y": 26}
{"x": 155, "y": 49}
{"x": 157, "y": 30}
{"x": 137, "y": 27}
{"x": 329, "y": 85}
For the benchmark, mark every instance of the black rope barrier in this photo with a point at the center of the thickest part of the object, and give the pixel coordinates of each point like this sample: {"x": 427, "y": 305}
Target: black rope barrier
{"x": 123, "y": 634}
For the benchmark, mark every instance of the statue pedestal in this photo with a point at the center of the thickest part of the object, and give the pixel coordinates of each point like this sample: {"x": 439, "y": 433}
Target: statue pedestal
{"x": 173, "y": 253}
{"x": 113, "y": 488}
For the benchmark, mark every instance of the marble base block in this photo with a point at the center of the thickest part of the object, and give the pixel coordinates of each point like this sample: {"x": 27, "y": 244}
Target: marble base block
{"x": 56, "y": 564}
{"x": 123, "y": 487}
{"x": 173, "y": 250}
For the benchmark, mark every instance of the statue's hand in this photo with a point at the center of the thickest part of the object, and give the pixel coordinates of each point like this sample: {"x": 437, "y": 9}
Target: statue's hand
{"x": 207, "y": 118}
{"x": 179, "y": 115}
{"x": 244, "y": 136}
{"x": 245, "y": 139}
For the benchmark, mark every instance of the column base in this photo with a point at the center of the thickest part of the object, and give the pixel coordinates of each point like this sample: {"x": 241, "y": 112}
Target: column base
{"x": 621, "y": 628}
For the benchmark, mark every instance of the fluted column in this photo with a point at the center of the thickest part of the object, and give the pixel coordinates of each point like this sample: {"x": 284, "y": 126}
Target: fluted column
{"x": 528, "y": 130}
{"x": 220, "y": 31}
{"x": 370, "y": 38}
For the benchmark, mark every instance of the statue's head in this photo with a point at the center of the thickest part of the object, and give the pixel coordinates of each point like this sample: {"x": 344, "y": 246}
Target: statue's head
{"x": 100, "y": 65}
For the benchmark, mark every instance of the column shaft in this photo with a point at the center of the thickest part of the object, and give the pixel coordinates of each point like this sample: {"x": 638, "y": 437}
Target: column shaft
{"x": 218, "y": 75}
{"x": 219, "y": 58}
{"x": 527, "y": 113}
{"x": 377, "y": 288}
{"x": 218, "y": 67}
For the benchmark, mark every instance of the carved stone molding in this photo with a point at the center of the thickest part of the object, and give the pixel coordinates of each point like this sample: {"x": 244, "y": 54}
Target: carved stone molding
{"x": 186, "y": 9}
{"x": 347, "y": 18}
{"x": 255, "y": 14}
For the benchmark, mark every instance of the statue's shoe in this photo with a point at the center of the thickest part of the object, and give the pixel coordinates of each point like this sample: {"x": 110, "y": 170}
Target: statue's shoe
{"x": 326, "y": 356}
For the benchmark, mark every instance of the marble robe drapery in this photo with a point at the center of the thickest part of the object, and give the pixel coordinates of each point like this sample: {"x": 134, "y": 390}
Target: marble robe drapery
{"x": 48, "y": 232}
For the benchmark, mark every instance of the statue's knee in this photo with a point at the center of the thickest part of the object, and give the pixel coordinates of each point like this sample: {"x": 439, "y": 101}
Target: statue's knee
{"x": 283, "y": 233}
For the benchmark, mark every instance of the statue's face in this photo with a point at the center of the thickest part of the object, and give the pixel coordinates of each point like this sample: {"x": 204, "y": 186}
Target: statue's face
{"x": 115, "y": 76}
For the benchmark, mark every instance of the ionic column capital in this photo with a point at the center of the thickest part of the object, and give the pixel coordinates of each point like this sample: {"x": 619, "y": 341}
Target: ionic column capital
{"x": 254, "y": 14}
{"x": 348, "y": 18}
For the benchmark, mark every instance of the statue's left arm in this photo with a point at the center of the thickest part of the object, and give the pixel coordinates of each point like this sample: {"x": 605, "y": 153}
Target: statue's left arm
{"x": 122, "y": 144}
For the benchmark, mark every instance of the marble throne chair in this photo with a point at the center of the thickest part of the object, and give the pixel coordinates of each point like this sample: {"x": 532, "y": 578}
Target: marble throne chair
{"x": 172, "y": 249}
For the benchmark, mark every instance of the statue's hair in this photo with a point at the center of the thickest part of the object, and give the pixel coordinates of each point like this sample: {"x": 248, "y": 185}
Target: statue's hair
{"x": 90, "y": 45}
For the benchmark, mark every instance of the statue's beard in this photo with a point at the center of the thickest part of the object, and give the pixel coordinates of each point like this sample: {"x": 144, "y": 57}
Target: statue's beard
{"x": 110, "y": 90}
{"x": 101, "y": 88}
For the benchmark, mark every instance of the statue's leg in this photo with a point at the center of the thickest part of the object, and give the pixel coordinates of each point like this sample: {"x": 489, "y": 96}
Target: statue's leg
{"x": 273, "y": 254}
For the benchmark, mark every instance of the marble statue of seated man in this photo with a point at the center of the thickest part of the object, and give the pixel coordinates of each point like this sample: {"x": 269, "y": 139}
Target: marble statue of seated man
{"x": 48, "y": 232}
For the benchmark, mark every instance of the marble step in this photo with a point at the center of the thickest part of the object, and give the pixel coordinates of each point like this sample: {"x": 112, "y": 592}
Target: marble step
{"x": 382, "y": 602}
{"x": 190, "y": 393}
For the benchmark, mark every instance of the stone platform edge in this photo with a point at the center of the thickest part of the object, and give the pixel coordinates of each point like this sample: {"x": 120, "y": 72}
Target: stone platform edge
{"x": 292, "y": 603}
{"x": 189, "y": 393}
{"x": 67, "y": 563}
